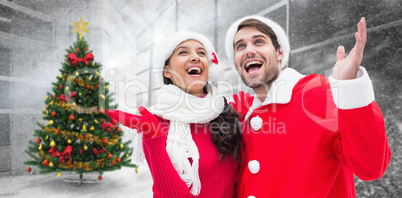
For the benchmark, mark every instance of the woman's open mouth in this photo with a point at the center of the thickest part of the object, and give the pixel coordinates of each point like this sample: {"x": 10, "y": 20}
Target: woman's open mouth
{"x": 194, "y": 71}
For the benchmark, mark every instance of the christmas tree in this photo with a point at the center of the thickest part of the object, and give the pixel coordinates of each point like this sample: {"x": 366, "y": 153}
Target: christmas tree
{"x": 75, "y": 133}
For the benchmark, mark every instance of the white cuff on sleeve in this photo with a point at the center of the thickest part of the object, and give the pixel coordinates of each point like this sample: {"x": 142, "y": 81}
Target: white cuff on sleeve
{"x": 355, "y": 93}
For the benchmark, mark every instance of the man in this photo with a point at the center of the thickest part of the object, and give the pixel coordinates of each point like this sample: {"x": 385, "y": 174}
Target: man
{"x": 304, "y": 136}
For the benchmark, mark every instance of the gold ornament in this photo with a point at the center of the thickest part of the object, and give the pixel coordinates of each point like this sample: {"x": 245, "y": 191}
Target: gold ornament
{"x": 51, "y": 164}
{"x": 121, "y": 146}
{"x": 90, "y": 78}
{"x": 81, "y": 27}
{"x": 136, "y": 170}
{"x": 60, "y": 76}
{"x": 84, "y": 128}
{"x": 85, "y": 147}
{"x": 97, "y": 73}
{"x": 40, "y": 147}
{"x": 79, "y": 94}
{"x": 47, "y": 137}
{"x": 77, "y": 74}
{"x": 52, "y": 144}
{"x": 127, "y": 156}
{"x": 51, "y": 102}
{"x": 58, "y": 174}
{"x": 107, "y": 86}
{"x": 96, "y": 121}
{"x": 47, "y": 97}
{"x": 51, "y": 122}
{"x": 47, "y": 112}
{"x": 86, "y": 71}
{"x": 102, "y": 96}
{"x": 67, "y": 88}
{"x": 80, "y": 119}
{"x": 92, "y": 128}
{"x": 69, "y": 141}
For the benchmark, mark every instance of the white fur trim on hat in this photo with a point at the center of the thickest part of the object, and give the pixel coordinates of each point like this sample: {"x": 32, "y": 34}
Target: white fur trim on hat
{"x": 280, "y": 34}
{"x": 166, "y": 47}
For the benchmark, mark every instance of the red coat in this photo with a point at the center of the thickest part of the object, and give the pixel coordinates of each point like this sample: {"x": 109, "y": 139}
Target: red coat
{"x": 309, "y": 147}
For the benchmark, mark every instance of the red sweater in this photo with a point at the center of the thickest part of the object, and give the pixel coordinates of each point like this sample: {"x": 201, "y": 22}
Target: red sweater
{"x": 217, "y": 176}
{"x": 308, "y": 148}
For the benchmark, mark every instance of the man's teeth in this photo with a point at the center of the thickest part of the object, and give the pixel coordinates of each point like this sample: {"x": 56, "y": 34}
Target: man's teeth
{"x": 253, "y": 62}
{"x": 194, "y": 70}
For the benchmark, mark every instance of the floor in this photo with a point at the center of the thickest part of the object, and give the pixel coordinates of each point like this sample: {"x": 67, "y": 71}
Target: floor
{"x": 120, "y": 183}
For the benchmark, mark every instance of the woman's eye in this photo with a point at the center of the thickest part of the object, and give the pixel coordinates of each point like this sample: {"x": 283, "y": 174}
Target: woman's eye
{"x": 201, "y": 53}
{"x": 182, "y": 52}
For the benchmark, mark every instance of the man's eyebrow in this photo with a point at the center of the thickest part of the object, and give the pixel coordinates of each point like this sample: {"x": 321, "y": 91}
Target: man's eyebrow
{"x": 255, "y": 36}
{"x": 241, "y": 40}
{"x": 259, "y": 36}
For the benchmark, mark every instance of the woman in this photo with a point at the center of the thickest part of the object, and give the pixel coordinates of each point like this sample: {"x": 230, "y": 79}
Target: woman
{"x": 192, "y": 137}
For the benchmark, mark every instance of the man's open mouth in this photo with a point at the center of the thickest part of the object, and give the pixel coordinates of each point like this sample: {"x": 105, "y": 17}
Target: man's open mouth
{"x": 253, "y": 66}
{"x": 194, "y": 71}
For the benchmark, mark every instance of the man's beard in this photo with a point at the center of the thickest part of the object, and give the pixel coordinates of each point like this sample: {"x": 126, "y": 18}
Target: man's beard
{"x": 270, "y": 75}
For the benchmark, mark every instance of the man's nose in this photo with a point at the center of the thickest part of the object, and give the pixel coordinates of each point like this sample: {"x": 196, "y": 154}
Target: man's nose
{"x": 250, "y": 51}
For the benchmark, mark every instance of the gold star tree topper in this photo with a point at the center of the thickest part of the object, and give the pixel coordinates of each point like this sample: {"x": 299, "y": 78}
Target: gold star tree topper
{"x": 81, "y": 27}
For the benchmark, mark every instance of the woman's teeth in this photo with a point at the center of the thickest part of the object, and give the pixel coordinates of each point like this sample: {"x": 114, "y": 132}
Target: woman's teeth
{"x": 194, "y": 71}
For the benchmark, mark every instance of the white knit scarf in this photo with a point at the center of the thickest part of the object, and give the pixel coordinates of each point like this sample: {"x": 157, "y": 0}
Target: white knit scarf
{"x": 181, "y": 109}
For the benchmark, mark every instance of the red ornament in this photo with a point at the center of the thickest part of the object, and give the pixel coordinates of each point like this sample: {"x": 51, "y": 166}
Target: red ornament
{"x": 87, "y": 87}
{"x": 58, "y": 130}
{"x": 71, "y": 117}
{"x": 54, "y": 96}
{"x": 78, "y": 49}
{"x": 38, "y": 140}
{"x": 118, "y": 129}
{"x": 102, "y": 111}
{"x": 105, "y": 141}
{"x": 108, "y": 130}
{"x": 86, "y": 136}
{"x": 118, "y": 160}
{"x": 112, "y": 163}
{"x": 72, "y": 58}
{"x": 87, "y": 49}
{"x": 45, "y": 162}
{"x": 60, "y": 86}
{"x": 29, "y": 169}
{"x": 97, "y": 86}
{"x": 80, "y": 151}
{"x": 100, "y": 80}
{"x": 109, "y": 156}
{"x": 72, "y": 94}
{"x": 98, "y": 152}
{"x": 76, "y": 80}
{"x": 100, "y": 177}
{"x": 54, "y": 113}
{"x": 71, "y": 160}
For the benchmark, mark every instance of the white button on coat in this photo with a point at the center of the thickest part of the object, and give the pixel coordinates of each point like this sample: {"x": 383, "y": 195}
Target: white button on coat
{"x": 254, "y": 166}
{"x": 251, "y": 196}
{"x": 256, "y": 123}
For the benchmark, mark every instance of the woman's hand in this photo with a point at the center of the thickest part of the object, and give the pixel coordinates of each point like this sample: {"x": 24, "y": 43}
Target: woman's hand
{"x": 149, "y": 124}
{"x": 242, "y": 104}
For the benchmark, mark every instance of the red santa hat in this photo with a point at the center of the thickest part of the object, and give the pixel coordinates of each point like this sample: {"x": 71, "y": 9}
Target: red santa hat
{"x": 166, "y": 47}
{"x": 278, "y": 30}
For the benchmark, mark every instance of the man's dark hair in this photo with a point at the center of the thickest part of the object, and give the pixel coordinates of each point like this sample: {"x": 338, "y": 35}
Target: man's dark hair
{"x": 262, "y": 27}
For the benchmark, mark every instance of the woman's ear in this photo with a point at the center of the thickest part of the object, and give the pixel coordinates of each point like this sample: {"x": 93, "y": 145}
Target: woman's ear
{"x": 166, "y": 72}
